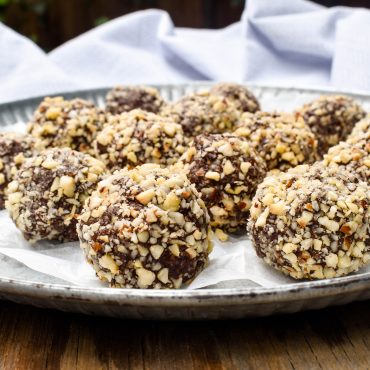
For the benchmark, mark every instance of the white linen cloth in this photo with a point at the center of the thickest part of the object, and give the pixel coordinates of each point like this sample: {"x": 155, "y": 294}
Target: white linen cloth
{"x": 280, "y": 42}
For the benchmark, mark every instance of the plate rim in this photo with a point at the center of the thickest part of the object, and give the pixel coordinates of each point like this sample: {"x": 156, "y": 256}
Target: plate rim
{"x": 198, "y": 84}
{"x": 197, "y": 297}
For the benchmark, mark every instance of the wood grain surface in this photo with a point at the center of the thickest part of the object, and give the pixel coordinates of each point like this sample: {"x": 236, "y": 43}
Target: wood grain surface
{"x": 334, "y": 338}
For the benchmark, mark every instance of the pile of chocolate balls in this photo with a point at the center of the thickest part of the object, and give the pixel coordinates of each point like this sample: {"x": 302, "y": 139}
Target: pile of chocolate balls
{"x": 144, "y": 183}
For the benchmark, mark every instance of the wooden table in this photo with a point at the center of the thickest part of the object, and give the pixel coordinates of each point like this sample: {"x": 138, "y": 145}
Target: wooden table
{"x": 334, "y": 338}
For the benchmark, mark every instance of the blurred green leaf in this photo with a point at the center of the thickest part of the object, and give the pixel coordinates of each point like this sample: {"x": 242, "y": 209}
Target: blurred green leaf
{"x": 4, "y": 2}
{"x": 39, "y": 8}
{"x": 34, "y": 38}
{"x": 101, "y": 20}
{"x": 235, "y": 3}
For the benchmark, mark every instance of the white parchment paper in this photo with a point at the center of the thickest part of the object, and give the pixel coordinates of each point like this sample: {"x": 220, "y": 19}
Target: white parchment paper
{"x": 231, "y": 260}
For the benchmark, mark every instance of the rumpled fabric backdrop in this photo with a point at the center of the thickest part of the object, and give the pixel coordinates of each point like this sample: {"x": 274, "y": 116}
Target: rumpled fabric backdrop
{"x": 276, "y": 42}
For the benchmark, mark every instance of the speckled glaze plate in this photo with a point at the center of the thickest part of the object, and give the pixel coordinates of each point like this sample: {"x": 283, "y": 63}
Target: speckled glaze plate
{"x": 227, "y": 300}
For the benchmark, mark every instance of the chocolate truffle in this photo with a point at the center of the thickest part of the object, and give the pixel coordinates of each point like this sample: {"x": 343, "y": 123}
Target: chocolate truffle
{"x": 243, "y": 98}
{"x": 312, "y": 225}
{"x": 280, "y": 139}
{"x": 48, "y": 192}
{"x": 226, "y": 171}
{"x": 14, "y": 148}
{"x": 145, "y": 228}
{"x": 203, "y": 112}
{"x": 361, "y": 128}
{"x": 137, "y": 137}
{"x": 331, "y": 119}
{"x": 352, "y": 155}
{"x": 125, "y": 98}
{"x": 67, "y": 123}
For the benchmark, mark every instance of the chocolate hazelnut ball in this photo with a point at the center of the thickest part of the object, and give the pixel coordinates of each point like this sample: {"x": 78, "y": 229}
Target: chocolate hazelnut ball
{"x": 48, "y": 192}
{"x": 125, "y": 98}
{"x": 243, "y": 98}
{"x": 280, "y": 139}
{"x": 145, "y": 228}
{"x": 14, "y": 148}
{"x": 313, "y": 224}
{"x": 203, "y": 112}
{"x": 139, "y": 137}
{"x": 226, "y": 171}
{"x": 362, "y": 128}
{"x": 331, "y": 119}
{"x": 67, "y": 123}
{"x": 352, "y": 155}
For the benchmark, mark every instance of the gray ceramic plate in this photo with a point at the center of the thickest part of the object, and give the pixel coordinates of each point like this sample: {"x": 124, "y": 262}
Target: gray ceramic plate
{"x": 230, "y": 300}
